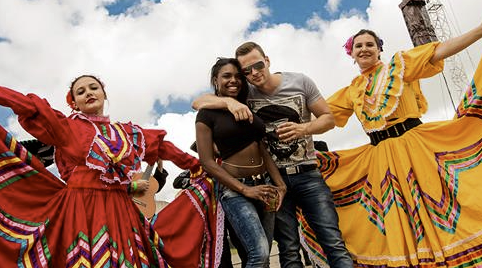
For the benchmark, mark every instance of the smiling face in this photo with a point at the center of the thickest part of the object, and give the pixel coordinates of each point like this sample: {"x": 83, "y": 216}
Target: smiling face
{"x": 89, "y": 95}
{"x": 365, "y": 52}
{"x": 228, "y": 81}
{"x": 255, "y": 67}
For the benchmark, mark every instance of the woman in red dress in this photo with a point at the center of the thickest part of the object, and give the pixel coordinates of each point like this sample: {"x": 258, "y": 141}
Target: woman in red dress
{"x": 90, "y": 220}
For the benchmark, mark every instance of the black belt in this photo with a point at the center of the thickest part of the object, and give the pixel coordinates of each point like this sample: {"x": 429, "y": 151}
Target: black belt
{"x": 255, "y": 179}
{"x": 296, "y": 169}
{"x": 396, "y": 130}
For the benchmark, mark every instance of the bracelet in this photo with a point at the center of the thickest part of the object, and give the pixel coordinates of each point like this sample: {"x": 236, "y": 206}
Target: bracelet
{"x": 134, "y": 186}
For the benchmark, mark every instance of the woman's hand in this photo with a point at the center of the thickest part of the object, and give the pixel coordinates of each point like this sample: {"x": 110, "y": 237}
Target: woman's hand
{"x": 281, "y": 195}
{"x": 260, "y": 192}
{"x": 140, "y": 186}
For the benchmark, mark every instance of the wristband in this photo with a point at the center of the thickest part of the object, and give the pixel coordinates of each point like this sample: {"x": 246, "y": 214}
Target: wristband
{"x": 134, "y": 186}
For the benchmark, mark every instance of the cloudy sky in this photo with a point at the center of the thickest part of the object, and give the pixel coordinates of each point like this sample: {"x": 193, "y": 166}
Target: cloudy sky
{"x": 154, "y": 56}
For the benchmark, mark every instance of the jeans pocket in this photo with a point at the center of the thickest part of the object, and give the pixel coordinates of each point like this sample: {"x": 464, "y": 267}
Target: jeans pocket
{"x": 227, "y": 193}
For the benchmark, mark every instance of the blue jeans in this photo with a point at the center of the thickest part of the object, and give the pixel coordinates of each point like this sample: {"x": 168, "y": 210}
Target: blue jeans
{"x": 310, "y": 192}
{"x": 252, "y": 224}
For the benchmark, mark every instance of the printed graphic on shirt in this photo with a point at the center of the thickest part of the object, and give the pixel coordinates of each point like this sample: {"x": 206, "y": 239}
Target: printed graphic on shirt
{"x": 273, "y": 113}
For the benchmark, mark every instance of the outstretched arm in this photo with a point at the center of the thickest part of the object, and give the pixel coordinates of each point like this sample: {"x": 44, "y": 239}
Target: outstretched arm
{"x": 456, "y": 44}
{"x": 211, "y": 101}
{"x": 37, "y": 117}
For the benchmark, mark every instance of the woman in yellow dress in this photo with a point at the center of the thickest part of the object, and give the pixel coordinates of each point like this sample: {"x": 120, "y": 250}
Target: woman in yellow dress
{"x": 410, "y": 198}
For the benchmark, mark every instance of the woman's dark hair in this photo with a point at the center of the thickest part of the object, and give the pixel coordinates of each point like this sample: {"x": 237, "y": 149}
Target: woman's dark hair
{"x": 220, "y": 63}
{"x": 82, "y": 76}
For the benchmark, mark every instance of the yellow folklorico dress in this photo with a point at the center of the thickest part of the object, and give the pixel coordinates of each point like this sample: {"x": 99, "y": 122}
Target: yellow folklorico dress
{"x": 413, "y": 200}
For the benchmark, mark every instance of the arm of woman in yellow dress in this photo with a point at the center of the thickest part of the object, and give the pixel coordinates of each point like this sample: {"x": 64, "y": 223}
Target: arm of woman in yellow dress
{"x": 456, "y": 44}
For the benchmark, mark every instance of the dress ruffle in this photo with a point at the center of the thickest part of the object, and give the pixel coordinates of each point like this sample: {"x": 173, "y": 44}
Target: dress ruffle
{"x": 411, "y": 201}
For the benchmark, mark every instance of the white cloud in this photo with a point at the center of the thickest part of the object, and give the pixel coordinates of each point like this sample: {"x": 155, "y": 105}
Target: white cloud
{"x": 180, "y": 131}
{"x": 167, "y": 49}
{"x": 332, "y": 5}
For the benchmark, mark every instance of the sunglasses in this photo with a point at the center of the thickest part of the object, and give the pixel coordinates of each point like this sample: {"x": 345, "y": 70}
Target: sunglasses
{"x": 258, "y": 66}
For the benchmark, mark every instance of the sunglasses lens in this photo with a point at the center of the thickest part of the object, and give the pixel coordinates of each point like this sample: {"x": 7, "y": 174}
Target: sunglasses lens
{"x": 257, "y": 66}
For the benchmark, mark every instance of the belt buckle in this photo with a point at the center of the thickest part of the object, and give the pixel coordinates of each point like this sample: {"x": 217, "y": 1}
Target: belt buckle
{"x": 291, "y": 170}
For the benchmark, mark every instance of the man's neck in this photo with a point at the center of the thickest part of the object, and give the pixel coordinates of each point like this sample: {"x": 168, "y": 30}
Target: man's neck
{"x": 271, "y": 85}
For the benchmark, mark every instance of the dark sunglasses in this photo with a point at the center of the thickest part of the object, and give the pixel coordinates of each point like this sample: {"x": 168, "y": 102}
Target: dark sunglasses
{"x": 258, "y": 66}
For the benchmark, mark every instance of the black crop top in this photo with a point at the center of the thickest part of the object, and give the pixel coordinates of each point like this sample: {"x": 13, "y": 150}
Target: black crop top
{"x": 230, "y": 136}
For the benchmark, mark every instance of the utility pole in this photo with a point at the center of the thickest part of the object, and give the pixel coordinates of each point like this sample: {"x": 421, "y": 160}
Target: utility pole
{"x": 426, "y": 22}
{"x": 418, "y": 22}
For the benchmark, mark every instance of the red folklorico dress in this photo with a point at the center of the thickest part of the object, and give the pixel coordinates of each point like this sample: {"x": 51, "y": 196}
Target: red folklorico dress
{"x": 90, "y": 220}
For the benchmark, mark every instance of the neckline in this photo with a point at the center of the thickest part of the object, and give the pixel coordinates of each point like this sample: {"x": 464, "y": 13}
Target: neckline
{"x": 371, "y": 69}
{"x": 97, "y": 118}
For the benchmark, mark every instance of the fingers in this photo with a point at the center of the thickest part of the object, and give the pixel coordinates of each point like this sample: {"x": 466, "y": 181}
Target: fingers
{"x": 266, "y": 192}
{"x": 289, "y": 131}
{"x": 142, "y": 185}
{"x": 241, "y": 112}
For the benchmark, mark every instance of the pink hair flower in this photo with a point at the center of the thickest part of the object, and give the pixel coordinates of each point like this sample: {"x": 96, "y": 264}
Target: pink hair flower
{"x": 349, "y": 45}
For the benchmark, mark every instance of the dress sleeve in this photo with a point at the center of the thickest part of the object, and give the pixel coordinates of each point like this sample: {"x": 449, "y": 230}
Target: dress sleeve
{"x": 341, "y": 106}
{"x": 37, "y": 117}
{"x": 157, "y": 147}
{"x": 417, "y": 62}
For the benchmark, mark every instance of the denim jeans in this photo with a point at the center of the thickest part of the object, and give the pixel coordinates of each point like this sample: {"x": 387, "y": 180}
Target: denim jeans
{"x": 253, "y": 225}
{"x": 310, "y": 192}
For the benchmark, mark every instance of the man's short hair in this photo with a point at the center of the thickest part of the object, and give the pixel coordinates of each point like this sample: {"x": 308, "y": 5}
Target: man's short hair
{"x": 248, "y": 47}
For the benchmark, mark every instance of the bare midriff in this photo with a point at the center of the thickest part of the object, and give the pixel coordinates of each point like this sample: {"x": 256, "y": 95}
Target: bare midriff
{"x": 246, "y": 162}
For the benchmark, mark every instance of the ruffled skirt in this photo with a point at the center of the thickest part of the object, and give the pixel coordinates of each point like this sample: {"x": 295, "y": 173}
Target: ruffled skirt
{"x": 414, "y": 200}
{"x": 46, "y": 223}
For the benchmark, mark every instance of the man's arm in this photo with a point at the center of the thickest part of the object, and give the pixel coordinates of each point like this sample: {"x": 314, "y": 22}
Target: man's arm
{"x": 323, "y": 122}
{"x": 211, "y": 101}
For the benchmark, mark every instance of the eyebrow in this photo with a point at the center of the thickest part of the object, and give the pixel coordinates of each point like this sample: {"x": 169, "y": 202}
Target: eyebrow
{"x": 83, "y": 87}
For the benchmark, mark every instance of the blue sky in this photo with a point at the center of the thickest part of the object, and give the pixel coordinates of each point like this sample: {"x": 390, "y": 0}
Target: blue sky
{"x": 297, "y": 12}
{"x": 282, "y": 11}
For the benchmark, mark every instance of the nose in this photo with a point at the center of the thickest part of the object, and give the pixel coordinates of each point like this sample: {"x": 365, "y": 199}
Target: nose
{"x": 255, "y": 71}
